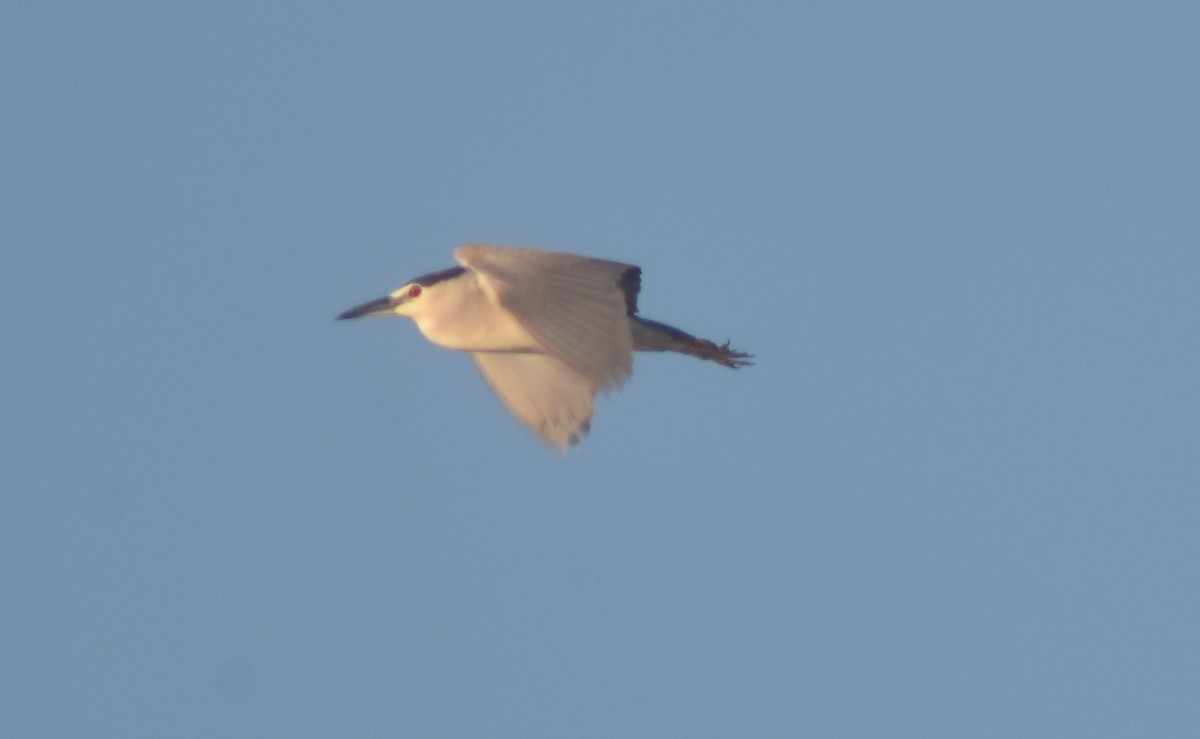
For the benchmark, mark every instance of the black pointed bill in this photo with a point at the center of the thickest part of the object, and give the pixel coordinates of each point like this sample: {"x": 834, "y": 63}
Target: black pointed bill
{"x": 381, "y": 307}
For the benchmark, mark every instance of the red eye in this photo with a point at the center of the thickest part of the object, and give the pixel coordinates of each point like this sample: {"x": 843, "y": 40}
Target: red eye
{"x": 414, "y": 291}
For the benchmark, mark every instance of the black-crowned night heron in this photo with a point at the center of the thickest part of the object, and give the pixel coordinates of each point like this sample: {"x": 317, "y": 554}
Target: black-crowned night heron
{"x": 546, "y": 329}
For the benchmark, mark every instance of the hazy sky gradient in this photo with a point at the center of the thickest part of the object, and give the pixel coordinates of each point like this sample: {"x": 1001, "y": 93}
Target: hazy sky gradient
{"x": 957, "y": 496}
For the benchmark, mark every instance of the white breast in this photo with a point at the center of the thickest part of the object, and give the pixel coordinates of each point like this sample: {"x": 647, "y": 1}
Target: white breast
{"x": 467, "y": 318}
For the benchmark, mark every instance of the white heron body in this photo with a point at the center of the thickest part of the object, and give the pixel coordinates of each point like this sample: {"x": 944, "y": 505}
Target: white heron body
{"x": 467, "y": 320}
{"x": 546, "y": 329}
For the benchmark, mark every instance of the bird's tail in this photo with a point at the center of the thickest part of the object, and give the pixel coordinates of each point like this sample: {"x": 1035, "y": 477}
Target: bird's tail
{"x": 652, "y": 336}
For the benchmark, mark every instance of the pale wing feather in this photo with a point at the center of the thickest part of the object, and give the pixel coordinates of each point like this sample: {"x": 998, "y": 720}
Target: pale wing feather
{"x": 543, "y": 393}
{"x": 575, "y": 306}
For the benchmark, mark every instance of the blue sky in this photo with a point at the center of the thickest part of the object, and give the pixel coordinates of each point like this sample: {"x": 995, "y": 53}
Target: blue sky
{"x": 956, "y": 496}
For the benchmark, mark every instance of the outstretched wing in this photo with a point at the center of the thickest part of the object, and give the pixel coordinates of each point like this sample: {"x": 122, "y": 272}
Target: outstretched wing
{"x": 542, "y": 391}
{"x": 578, "y": 308}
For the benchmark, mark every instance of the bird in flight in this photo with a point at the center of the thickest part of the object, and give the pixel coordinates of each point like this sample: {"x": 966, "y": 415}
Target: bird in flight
{"x": 546, "y": 329}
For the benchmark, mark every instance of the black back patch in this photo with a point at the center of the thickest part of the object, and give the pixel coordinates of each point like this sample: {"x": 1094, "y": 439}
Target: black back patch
{"x": 631, "y": 284}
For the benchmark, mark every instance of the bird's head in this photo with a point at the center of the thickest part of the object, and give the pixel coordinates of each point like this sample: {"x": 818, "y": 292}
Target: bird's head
{"x": 410, "y": 298}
